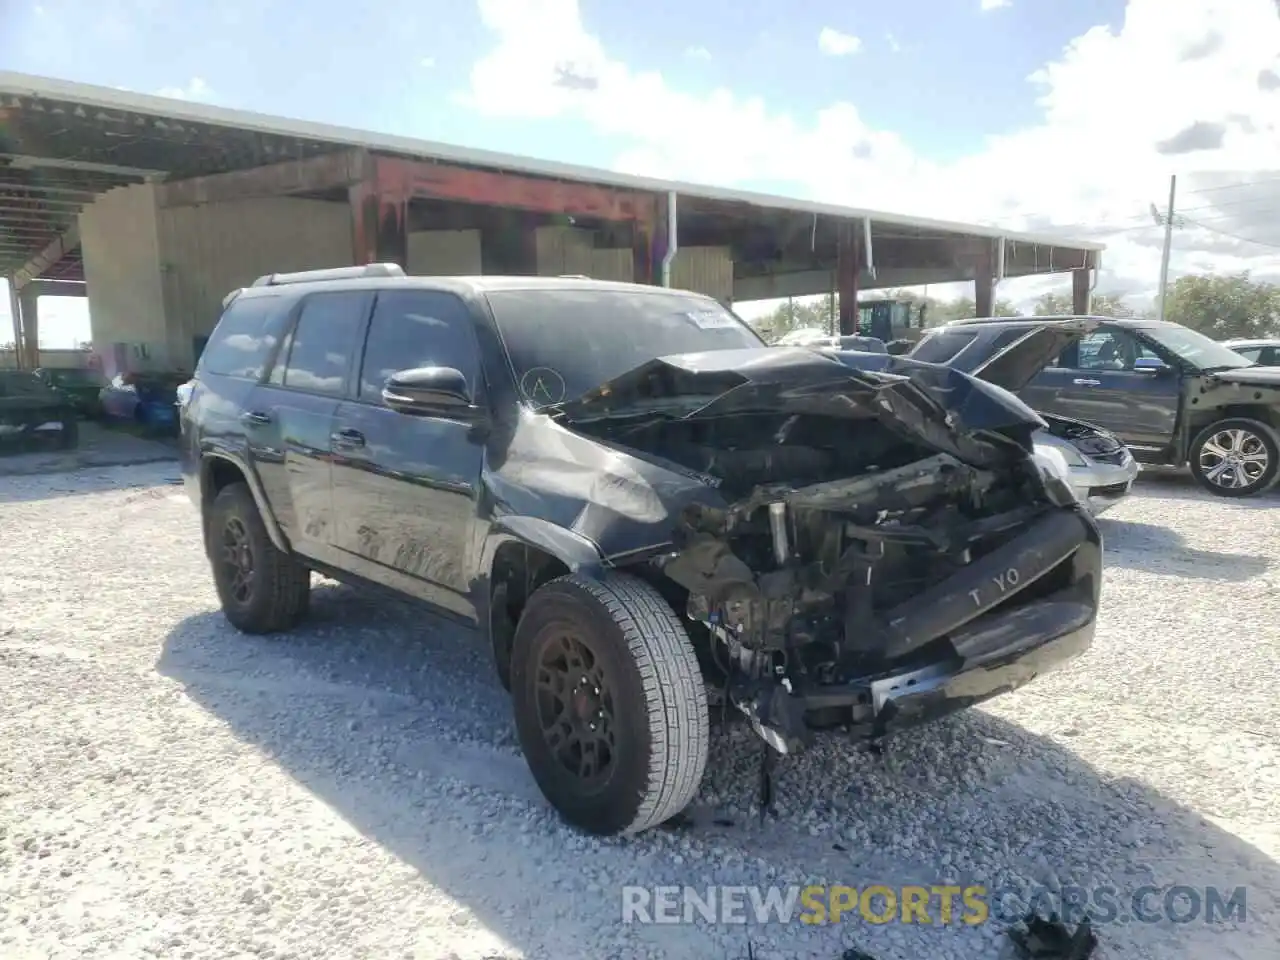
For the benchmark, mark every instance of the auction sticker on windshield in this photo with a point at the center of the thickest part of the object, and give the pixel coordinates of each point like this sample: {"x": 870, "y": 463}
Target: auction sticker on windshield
{"x": 542, "y": 385}
{"x": 713, "y": 319}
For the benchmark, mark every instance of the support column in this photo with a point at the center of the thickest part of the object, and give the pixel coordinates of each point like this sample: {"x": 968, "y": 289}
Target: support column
{"x": 15, "y": 309}
{"x": 847, "y": 268}
{"x": 29, "y": 299}
{"x": 647, "y": 246}
{"x": 1081, "y": 294}
{"x": 984, "y": 287}
{"x": 379, "y": 224}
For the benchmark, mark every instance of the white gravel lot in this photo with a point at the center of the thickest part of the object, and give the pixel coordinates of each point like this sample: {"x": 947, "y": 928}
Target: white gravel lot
{"x": 170, "y": 788}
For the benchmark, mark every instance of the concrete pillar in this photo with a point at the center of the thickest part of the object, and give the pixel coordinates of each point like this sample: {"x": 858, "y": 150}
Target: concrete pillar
{"x": 379, "y": 224}
{"x": 984, "y": 287}
{"x": 30, "y": 303}
{"x": 847, "y": 268}
{"x": 1081, "y": 294}
{"x": 15, "y": 310}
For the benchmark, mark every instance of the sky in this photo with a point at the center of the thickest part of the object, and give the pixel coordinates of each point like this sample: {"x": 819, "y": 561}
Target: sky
{"x": 1062, "y": 118}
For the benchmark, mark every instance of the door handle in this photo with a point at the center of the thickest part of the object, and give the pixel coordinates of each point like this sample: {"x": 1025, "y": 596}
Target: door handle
{"x": 255, "y": 418}
{"x": 1084, "y": 382}
{"x": 347, "y": 438}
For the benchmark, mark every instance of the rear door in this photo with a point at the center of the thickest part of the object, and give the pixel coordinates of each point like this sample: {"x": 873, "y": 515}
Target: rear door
{"x": 405, "y": 486}
{"x": 1099, "y": 380}
{"x": 289, "y": 417}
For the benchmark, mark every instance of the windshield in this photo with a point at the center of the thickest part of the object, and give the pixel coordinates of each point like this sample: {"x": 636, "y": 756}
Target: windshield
{"x": 563, "y": 343}
{"x": 941, "y": 347}
{"x": 1195, "y": 348}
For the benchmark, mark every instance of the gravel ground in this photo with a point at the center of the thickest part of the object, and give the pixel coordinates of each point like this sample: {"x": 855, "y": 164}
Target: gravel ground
{"x": 170, "y": 788}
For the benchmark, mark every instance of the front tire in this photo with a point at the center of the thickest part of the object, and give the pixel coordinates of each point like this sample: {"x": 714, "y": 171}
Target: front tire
{"x": 610, "y": 706}
{"x": 1236, "y": 457}
{"x": 262, "y": 589}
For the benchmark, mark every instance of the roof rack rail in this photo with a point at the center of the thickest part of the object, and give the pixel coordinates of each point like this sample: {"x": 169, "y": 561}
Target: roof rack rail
{"x": 335, "y": 273}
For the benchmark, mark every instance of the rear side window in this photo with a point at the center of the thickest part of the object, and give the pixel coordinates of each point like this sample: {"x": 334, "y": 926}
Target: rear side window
{"x": 323, "y": 340}
{"x": 241, "y": 343}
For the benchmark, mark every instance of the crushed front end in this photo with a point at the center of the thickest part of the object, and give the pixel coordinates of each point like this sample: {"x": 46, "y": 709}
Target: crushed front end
{"x": 889, "y": 548}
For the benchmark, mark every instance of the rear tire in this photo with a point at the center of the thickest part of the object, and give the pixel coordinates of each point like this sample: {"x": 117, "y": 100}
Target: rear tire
{"x": 649, "y": 703}
{"x": 1236, "y": 457}
{"x": 262, "y": 589}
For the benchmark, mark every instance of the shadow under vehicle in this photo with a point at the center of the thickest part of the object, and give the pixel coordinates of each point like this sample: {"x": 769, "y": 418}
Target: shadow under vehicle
{"x": 634, "y": 497}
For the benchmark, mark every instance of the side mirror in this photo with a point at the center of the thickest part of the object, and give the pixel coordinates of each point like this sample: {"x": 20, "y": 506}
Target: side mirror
{"x": 1153, "y": 366}
{"x": 429, "y": 391}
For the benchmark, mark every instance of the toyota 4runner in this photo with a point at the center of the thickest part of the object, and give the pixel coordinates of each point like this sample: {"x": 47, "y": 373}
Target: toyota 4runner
{"x": 636, "y": 500}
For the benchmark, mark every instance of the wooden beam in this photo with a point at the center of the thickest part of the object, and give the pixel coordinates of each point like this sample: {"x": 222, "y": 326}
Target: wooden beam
{"x": 328, "y": 171}
{"x": 47, "y": 257}
{"x": 439, "y": 181}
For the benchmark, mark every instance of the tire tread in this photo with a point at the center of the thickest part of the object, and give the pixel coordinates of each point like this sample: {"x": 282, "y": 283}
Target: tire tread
{"x": 674, "y": 692}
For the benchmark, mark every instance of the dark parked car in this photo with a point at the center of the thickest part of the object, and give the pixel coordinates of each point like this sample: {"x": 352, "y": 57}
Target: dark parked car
{"x": 33, "y": 414}
{"x": 1099, "y": 467}
{"x": 145, "y": 399}
{"x": 633, "y": 496}
{"x": 1172, "y": 395}
{"x": 80, "y": 386}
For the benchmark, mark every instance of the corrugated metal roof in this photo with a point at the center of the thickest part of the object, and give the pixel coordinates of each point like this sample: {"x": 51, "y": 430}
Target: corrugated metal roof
{"x": 25, "y": 85}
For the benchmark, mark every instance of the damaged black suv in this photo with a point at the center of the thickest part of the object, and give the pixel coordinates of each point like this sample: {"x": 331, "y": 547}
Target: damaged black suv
{"x": 636, "y": 500}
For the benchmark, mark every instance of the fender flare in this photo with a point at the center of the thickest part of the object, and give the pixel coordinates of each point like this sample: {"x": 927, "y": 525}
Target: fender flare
{"x": 254, "y": 484}
{"x": 572, "y": 549}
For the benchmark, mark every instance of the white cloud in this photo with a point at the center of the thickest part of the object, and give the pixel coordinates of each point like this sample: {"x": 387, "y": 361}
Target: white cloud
{"x": 836, "y": 44}
{"x": 427, "y": 62}
{"x": 1088, "y": 168}
{"x": 698, "y": 53}
{"x": 996, "y": 4}
{"x": 892, "y": 41}
{"x": 196, "y": 90}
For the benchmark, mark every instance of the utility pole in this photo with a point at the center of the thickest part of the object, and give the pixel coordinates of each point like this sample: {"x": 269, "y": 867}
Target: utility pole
{"x": 1167, "y": 219}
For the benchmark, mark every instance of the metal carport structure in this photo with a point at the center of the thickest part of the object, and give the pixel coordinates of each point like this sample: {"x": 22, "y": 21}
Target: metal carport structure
{"x": 65, "y": 146}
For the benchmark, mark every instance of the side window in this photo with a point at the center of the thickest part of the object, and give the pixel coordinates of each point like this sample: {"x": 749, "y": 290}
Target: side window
{"x": 417, "y": 328}
{"x": 1251, "y": 353}
{"x": 243, "y": 339}
{"x": 1107, "y": 350}
{"x": 322, "y": 341}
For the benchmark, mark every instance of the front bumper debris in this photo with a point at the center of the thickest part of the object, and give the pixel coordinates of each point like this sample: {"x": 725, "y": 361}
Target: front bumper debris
{"x": 997, "y": 640}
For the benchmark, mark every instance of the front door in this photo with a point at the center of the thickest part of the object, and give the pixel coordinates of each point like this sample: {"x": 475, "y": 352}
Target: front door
{"x": 405, "y": 486}
{"x": 1100, "y": 381}
{"x": 289, "y": 419}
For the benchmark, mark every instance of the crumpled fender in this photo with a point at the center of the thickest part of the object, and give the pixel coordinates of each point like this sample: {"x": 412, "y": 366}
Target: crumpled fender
{"x": 572, "y": 549}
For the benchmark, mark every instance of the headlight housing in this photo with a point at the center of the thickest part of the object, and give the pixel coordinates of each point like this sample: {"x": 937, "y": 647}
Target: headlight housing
{"x": 1053, "y": 467}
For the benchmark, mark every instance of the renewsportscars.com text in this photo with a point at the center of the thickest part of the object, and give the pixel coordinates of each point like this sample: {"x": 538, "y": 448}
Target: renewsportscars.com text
{"x": 933, "y": 905}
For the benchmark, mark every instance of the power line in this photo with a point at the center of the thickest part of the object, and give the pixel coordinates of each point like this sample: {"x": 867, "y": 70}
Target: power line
{"x": 1234, "y": 236}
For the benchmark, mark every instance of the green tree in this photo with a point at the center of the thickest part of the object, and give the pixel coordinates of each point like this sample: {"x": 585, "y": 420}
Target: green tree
{"x": 1100, "y": 305}
{"x": 795, "y": 315}
{"x": 1225, "y": 307}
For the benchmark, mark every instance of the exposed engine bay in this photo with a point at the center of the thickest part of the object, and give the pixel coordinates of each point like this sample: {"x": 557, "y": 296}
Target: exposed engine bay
{"x": 878, "y": 543}
{"x": 835, "y": 534}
